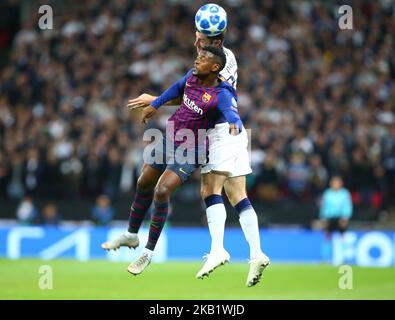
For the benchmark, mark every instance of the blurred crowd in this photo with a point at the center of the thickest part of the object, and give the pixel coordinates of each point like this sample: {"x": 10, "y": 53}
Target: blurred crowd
{"x": 319, "y": 100}
{"x": 29, "y": 213}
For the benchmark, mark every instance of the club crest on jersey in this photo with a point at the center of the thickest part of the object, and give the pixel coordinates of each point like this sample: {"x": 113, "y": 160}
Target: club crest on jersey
{"x": 206, "y": 97}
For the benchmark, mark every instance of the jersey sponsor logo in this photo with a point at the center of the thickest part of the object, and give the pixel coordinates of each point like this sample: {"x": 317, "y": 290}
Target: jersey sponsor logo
{"x": 206, "y": 97}
{"x": 192, "y": 105}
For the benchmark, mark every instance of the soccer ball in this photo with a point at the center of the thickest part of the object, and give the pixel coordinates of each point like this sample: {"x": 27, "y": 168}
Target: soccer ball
{"x": 211, "y": 19}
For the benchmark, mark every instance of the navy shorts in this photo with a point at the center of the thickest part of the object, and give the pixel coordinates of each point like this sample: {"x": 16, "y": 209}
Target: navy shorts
{"x": 166, "y": 159}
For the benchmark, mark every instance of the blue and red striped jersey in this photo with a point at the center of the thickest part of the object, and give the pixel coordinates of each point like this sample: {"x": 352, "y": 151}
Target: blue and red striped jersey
{"x": 201, "y": 107}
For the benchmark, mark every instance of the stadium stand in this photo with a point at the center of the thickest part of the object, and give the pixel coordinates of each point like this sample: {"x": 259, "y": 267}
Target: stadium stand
{"x": 319, "y": 101}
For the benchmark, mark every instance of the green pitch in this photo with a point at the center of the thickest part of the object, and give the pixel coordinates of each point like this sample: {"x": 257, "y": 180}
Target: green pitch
{"x": 176, "y": 280}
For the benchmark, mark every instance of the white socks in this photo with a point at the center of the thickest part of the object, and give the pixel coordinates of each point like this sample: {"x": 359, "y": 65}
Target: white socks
{"x": 249, "y": 223}
{"x": 216, "y": 216}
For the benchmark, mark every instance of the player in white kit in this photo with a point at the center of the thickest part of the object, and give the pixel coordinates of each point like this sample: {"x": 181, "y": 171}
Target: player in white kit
{"x": 228, "y": 164}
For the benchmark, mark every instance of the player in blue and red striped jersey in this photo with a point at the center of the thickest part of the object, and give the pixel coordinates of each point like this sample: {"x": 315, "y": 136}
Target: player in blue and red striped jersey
{"x": 206, "y": 98}
{"x": 227, "y": 167}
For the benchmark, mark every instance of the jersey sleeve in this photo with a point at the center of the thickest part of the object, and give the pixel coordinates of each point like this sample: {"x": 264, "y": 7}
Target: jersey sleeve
{"x": 227, "y": 105}
{"x": 174, "y": 91}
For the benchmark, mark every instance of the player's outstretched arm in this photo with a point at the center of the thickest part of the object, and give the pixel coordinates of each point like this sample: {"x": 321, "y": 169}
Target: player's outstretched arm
{"x": 145, "y": 99}
{"x": 173, "y": 92}
{"x": 142, "y": 101}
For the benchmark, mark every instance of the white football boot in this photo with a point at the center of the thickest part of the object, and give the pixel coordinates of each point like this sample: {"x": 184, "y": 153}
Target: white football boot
{"x": 126, "y": 239}
{"x": 213, "y": 261}
{"x": 256, "y": 269}
{"x": 141, "y": 263}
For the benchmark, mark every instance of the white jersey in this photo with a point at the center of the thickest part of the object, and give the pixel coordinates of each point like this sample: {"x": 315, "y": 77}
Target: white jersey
{"x": 228, "y": 153}
{"x": 229, "y": 72}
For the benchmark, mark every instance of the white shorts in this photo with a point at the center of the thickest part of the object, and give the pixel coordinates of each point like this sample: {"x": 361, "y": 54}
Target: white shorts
{"x": 227, "y": 153}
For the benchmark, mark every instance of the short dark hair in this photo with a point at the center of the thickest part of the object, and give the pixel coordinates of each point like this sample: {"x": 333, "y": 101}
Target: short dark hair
{"x": 220, "y": 37}
{"x": 219, "y": 55}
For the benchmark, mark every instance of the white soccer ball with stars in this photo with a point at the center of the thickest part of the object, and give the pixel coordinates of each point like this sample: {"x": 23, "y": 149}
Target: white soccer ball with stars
{"x": 211, "y": 19}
